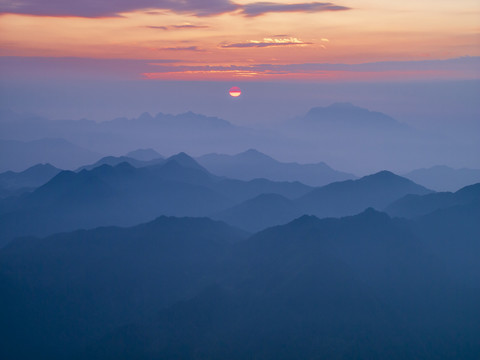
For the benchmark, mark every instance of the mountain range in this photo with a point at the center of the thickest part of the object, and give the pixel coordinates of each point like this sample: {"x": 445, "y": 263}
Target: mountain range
{"x": 334, "y": 200}
{"x": 125, "y": 195}
{"x": 15, "y": 183}
{"x": 253, "y": 164}
{"x": 411, "y": 206}
{"x": 21, "y": 155}
{"x": 366, "y": 286}
{"x": 348, "y": 115}
{"x": 179, "y": 186}
{"x": 444, "y": 178}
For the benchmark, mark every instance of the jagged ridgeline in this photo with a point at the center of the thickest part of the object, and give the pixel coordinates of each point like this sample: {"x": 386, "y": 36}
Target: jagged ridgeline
{"x": 147, "y": 257}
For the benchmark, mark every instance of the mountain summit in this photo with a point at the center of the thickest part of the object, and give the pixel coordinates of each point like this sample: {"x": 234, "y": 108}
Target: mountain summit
{"x": 349, "y": 114}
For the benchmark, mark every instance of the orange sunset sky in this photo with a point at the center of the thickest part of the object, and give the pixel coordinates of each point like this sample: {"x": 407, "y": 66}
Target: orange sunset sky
{"x": 220, "y": 39}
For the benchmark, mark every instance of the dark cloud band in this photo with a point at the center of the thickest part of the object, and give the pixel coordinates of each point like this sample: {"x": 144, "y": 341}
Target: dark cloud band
{"x": 261, "y": 8}
{"x": 105, "y": 8}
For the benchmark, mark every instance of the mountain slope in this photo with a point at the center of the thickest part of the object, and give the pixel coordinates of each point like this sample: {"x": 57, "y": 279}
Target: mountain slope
{"x": 116, "y": 160}
{"x": 144, "y": 154}
{"x": 26, "y": 180}
{"x": 61, "y": 292}
{"x": 346, "y": 114}
{"x": 252, "y": 164}
{"x": 444, "y": 178}
{"x": 359, "y": 287}
{"x": 353, "y": 196}
{"x": 333, "y": 200}
{"x": 260, "y": 212}
{"x": 411, "y": 206}
{"x": 19, "y": 155}
{"x": 125, "y": 195}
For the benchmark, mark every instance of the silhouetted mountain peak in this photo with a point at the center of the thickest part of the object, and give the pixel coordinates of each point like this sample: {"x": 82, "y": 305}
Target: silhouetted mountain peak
{"x": 371, "y": 214}
{"x": 444, "y": 178}
{"x": 346, "y": 113}
{"x": 383, "y": 174}
{"x": 386, "y": 176}
{"x": 255, "y": 155}
{"x": 343, "y": 105}
{"x": 145, "y": 117}
{"x": 46, "y": 166}
{"x": 186, "y": 161}
{"x": 144, "y": 154}
{"x": 124, "y": 166}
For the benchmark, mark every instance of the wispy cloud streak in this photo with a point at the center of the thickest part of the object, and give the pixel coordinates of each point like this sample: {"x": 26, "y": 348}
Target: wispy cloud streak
{"x": 261, "y": 8}
{"x": 267, "y": 42}
{"x": 106, "y": 8}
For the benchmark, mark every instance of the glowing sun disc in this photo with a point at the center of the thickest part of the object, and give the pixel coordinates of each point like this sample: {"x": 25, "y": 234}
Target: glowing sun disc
{"x": 235, "y": 91}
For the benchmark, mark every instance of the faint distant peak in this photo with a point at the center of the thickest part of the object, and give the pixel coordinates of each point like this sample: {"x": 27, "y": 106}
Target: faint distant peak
{"x": 371, "y": 213}
{"x": 185, "y": 160}
{"x": 145, "y": 117}
{"x": 343, "y": 105}
{"x": 384, "y": 176}
{"x": 192, "y": 119}
{"x": 388, "y": 177}
{"x": 349, "y": 114}
{"x": 45, "y": 166}
{"x": 125, "y": 165}
{"x": 144, "y": 154}
{"x": 253, "y": 154}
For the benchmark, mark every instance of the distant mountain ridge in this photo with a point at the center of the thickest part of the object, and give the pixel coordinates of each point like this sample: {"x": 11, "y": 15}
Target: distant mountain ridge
{"x": 116, "y": 160}
{"x": 444, "y": 178}
{"x": 253, "y": 164}
{"x": 296, "y": 291}
{"x": 20, "y": 155}
{"x": 28, "y": 179}
{"x": 412, "y": 206}
{"x": 334, "y": 200}
{"x": 102, "y": 278}
{"x": 347, "y": 114}
{"x": 144, "y": 154}
{"x": 125, "y": 195}
{"x": 120, "y": 135}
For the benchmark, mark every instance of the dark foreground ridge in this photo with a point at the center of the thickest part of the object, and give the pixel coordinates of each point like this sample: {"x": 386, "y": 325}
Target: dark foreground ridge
{"x": 365, "y": 286}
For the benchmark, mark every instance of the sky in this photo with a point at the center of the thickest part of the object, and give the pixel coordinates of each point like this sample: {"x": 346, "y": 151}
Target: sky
{"x": 415, "y": 60}
{"x": 249, "y": 41}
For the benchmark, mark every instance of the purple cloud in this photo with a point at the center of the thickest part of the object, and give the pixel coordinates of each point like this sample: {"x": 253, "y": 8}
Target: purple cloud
{"x": 105, "y": 8}
{"x": 264, "y": 44}
{"x": 102, "y": 8}
{"x": 177, "y": 27}
{"x": 261, "y": 8}
{"x": 467, "y": 64}
{"x": 182, "y": 48}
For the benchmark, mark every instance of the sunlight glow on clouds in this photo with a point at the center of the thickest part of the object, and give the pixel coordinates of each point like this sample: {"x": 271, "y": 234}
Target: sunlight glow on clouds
{"x": 268, "y": 42}
{"x": 241, "y": 32}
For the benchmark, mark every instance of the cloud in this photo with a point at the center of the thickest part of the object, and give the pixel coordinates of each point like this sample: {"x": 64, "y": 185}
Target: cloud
{"x": 267, "y": 42}
{"x": 461, "y": 68}
{"x": 261, "y": 8}
{"x": 158, "y": 27}
{"x": 182, "y": 48}
{"x": 177, "y": 27}
{"x": 104, "y": 8}
{"x": 108, "y": 8}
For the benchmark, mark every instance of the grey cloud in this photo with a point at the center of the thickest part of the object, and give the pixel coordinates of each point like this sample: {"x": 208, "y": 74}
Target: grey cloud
{"x": 463, "y": 63}
{"x": 182, "y": 48}
{"x": 261, "y": 8}
{"x": 263, "y": 44}
{"x": 177, "y": 27}
{"x": 104, "y": 8}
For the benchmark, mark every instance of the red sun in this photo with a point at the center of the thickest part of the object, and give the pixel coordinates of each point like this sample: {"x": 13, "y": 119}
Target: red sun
{"x": 235, "y": 91}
